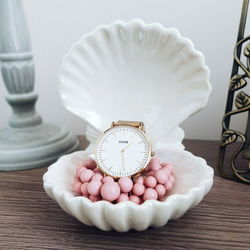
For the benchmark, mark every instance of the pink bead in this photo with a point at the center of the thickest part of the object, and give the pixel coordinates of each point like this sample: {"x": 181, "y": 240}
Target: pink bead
{"x": 94, "y": 198}
{"x": 97, "y": 177}
{"x": 97, "y": 170}
{"x": 94, "y": 187}
{"x": 151, "y": 173}
{"x": 79, "y": 171}
{"x": 134, "y": 199}
{"x": 161, "y": 176}
{"x": 107, "y": 179}
{"x": 110, "y": 191}
{"x": 150, "y": 181}
{"x": 155, "y": 164}
{"x": 123, "y": 197}
{"x": 155, "y": 160}
{"x": 139, "y": 179}
{"x": 84, "y": 188}
{"x": 80, "y": 165}
{"x": 126, "y": 184}
{"x": 138, "y": 189}
{"x": 89, "y": 163}
{"x": 77, "y": 187}
{"x": 169, "y": 166}
{"x": 161, "y": 190}
{"x": 147, "y": 168}
{"x": 76, "y": 179}
{"x": 163, "y": 164}
{"x": 169, "y": 185}
{"x": 150, "y": 194}
{"x": 167, "y": 171}
{"x": 86, "y": 175}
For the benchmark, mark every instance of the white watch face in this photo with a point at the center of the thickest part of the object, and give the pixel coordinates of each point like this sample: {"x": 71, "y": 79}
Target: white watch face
{"x": 122, "y": 151}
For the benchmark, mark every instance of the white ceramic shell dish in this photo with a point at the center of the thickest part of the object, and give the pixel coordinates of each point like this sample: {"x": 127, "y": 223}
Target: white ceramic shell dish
{"x": 193, "y": 180}
{"x": 134, "y": 71}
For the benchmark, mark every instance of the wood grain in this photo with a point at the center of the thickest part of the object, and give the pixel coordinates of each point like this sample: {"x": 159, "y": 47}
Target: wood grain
{"x": 29, "y": 219}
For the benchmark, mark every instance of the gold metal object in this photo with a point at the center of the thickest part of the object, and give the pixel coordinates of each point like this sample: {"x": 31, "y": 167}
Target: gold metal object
{"x": 242, "y": 104}
{"x": 136, "y": 124}
{"x": 139, "y": 125}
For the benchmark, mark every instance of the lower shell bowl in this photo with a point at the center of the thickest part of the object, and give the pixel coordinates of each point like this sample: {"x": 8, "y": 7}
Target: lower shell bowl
{"x": 193, "y": 180}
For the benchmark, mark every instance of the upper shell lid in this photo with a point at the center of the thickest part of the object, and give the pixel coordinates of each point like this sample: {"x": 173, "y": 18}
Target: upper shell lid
{"x": 134, "y": 71}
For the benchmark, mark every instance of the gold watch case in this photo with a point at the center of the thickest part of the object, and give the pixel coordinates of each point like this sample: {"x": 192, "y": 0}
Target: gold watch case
{"x": 136, "y": 125}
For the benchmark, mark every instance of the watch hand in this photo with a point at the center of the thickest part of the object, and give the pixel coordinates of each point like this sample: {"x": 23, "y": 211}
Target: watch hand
{"x": 127, "y": 146}
{"x": 122, "y": 156}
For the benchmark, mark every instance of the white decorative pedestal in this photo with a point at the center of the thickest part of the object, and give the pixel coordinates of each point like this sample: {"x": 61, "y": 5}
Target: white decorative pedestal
{"x": 27, "y": 142}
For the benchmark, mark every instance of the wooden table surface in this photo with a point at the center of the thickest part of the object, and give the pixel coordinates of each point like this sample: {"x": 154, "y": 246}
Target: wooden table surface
{"x": 29, "y": 219}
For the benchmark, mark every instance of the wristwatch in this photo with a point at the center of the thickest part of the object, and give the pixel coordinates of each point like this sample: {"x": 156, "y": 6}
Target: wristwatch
{"x": 123, "y": 149}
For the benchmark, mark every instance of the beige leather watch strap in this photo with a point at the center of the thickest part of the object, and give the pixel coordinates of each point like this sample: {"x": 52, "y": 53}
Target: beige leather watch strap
{"x": 136, "y": 124}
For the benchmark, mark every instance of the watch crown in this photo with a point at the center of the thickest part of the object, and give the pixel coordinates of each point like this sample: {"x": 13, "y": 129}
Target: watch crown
{"x": 152, "y": 153}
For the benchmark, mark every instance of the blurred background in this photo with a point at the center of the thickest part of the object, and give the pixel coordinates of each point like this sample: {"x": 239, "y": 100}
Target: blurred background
{"x": 54, "y": 25}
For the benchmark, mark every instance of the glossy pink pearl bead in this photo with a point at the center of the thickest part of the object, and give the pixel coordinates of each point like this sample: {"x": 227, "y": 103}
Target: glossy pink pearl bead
{"x": 126, "y": 184}
{"x": 89, "y": 163}
{"x": 138, "y": 189}
{"x": 122, "y": 197}
{"x": 97, "y": 177}
{"x": 150, "y": 194}
{"x": 96, "y": 170}
{"x": 107, "y": 179}
{"x": 161, "y": 176}
{"x": 84, "y": 188}
{"x": 134, "y": 199}
{"x": 139, "y": 179}
{"x": 79, "y": 171}
{"x": 94, "y": 187}
{"x": 86, "y": 175}
{"x": 94, "y": 198}
{"x": 110, "y": 191}
{"x": 150, "y": 181}
{"x": 151, "y": 173}
{"x": 147, "y": 168}
{"x": 161, "y": 190}
{"x": 155, "y": 164}
{"x": 77, "y": 187}
{"x": 168, "y": 185}
{"x": 167, "y": 171}
{"x": 163, "y": 164}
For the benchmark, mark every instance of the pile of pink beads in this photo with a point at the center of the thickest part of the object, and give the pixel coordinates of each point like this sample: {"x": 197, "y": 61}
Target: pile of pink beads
{"x": 153, "y": 183}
